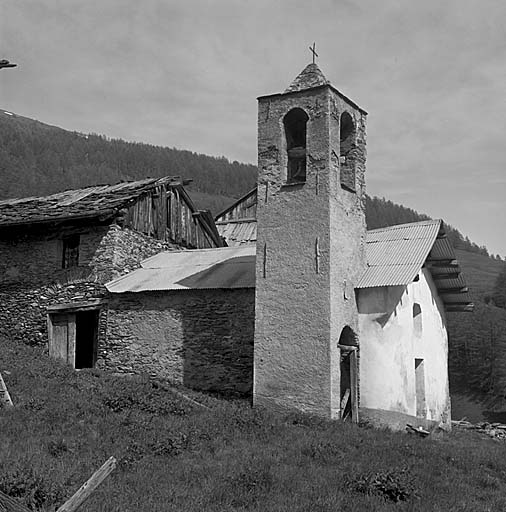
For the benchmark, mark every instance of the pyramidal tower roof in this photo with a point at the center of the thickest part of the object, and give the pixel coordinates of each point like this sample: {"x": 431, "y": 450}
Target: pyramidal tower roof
{"x": 311, "y": 76}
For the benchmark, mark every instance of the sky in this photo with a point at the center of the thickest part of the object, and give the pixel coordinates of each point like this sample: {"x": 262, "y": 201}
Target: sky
{"x": 186, "y": 74}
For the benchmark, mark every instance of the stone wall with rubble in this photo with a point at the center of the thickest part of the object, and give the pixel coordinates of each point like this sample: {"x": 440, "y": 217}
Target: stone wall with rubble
{"x": 199, "y": 338}
{"x": 31, "y": 277}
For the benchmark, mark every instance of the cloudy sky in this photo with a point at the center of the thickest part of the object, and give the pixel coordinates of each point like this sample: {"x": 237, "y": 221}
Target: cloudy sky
{"x": 186, "y": 74}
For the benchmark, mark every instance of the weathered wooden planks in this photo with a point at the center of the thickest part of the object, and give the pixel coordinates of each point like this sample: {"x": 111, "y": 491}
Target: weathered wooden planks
{"x": 166, "y": 213}
{"x": 89, "y": 486}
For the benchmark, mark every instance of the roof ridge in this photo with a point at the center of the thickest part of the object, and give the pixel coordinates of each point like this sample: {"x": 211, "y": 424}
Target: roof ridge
{"x": 399, "y": 226}
{"x": 146, "y": 181}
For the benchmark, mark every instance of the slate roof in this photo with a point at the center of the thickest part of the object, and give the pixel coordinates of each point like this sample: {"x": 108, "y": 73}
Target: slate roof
{"x": 228, "y": 267}
{"x": 97, "y": 201}
{"x": 311, "y": 76}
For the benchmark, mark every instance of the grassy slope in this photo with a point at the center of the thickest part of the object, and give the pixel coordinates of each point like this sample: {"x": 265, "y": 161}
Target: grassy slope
{"x": 176, "y": 456}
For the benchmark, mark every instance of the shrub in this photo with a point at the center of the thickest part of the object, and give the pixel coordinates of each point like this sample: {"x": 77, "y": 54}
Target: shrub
{"x": 33, "y": 490}
{"x": 394, "y": 485}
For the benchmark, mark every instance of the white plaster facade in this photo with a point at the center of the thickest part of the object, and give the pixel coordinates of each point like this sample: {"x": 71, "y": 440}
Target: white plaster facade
{"x": 393, "y": 338}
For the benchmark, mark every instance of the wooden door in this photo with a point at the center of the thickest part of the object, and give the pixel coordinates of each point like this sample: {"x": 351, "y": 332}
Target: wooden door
{"x": 62, "y": 337}
{"x": 349, "y": 383}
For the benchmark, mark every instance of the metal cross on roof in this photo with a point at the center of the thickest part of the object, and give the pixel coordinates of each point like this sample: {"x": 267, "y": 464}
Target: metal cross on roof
{"x": 313, "y": 51}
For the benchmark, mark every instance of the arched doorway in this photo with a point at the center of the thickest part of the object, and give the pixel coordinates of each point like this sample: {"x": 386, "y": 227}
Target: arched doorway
{"x": 349, "y": 375}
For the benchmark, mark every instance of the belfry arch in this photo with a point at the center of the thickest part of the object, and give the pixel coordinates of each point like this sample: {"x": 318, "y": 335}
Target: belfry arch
{"x": 346, "y": 144}
{"x": 295, "y": 123}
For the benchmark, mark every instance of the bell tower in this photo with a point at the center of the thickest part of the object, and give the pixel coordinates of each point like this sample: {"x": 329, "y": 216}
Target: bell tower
{"x": 310, "y": 241}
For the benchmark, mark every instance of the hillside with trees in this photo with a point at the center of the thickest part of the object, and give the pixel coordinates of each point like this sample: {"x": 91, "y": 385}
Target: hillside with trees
{"x": 51, "y": 159}
{"x": 38, "y": 159}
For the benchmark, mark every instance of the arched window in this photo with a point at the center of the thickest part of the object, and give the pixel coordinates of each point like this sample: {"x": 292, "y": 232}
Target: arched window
{"x": 417, "y": 320}
{"x": 347, "y": 139}
{"x": 295, "y": 131}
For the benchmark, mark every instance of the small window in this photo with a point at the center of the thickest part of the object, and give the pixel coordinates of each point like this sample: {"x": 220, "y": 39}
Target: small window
{"x": 347, "y": 140}
{"x": 421, "y": 408}
{"x": 295, "y": 131}
{"x": 70, "y": 256}
{"x": 417, "y": 320}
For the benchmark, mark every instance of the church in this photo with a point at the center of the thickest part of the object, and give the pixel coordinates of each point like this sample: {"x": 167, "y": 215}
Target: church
{"x": 305, "y": 309}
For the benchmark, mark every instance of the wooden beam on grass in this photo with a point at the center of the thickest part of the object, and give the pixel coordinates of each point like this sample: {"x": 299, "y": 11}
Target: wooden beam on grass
{"x": 8, "y": 504}
{"x": 5, "y": 398}
{"x": 89, "y": 486}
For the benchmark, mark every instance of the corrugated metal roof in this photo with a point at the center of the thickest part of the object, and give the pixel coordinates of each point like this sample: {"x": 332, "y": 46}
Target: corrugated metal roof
{"x": 229, "y": 267}
{"x": 396, "y": 254}
{"x": 240, "y": 232}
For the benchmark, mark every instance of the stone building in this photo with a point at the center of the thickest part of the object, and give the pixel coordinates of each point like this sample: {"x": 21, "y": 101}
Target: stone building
{"x": 57, "y": 251}
{"x": 188, "y": 316}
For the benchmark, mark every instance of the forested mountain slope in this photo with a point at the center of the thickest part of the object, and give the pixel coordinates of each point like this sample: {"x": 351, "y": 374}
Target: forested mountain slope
{"x": 51, "y": 159}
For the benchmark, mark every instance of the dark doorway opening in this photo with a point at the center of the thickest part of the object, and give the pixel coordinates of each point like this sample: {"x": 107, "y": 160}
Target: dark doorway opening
{"x": 349, "y": 375}
{"x": 86, "y": 339}
{"x": 345, "y": 385}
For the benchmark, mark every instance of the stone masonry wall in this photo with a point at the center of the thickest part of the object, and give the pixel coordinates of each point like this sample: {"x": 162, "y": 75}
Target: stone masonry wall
{"x": 310, "y": 252}
{"x": 200, "y": 338}
{"x": 31, "y": 277}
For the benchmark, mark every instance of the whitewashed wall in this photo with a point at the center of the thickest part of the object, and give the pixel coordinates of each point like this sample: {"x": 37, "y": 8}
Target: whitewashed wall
{"x": 389, "y": 345}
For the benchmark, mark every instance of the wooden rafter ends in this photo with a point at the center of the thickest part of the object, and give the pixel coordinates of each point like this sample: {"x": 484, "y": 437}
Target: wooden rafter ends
{"x": 460, "y": 308}
{"x": 452, "y": 291}
{"x": 441, "y": 277}
{"x": 443, "y": 263}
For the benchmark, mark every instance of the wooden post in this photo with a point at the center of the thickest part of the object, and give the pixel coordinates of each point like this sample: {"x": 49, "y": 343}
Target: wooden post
{"x": 5, "y": 398}
{"x": 344, "y": 402}
{"x": 354, "y": 386}
{"x": 88, "y": 487}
